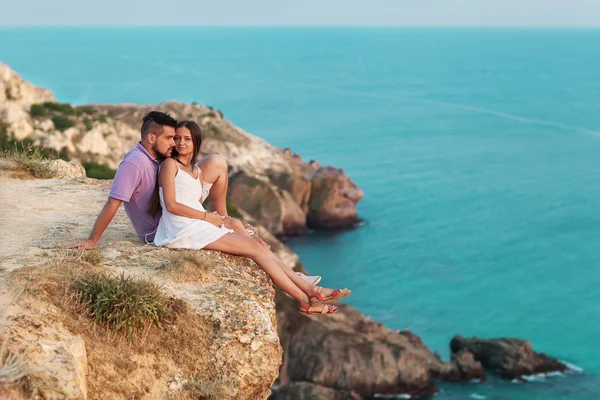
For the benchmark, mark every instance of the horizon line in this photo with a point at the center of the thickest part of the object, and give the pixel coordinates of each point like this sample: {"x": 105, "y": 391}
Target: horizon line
{"x": 158, "y": 26}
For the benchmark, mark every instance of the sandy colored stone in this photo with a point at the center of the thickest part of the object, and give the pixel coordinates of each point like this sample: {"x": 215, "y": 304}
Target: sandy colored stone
{"x": 230, "y": 303}
{"x": 67, "y": 169}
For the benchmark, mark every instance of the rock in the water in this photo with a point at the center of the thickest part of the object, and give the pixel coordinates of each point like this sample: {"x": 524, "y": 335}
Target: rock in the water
{"x": 333, "y": 199}
{"x": 466, "y": 368}
{"x": 309, "y": 391}
{"x": 511, "y": 358}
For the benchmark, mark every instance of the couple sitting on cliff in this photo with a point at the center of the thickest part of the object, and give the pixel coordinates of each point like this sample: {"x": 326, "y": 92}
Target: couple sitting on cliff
{"x": 183, "y": 185}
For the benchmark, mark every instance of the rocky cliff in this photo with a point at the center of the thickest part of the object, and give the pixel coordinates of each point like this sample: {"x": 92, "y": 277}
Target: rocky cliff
{"x": 275, "y": 186}
{"x": 218, "y": 338}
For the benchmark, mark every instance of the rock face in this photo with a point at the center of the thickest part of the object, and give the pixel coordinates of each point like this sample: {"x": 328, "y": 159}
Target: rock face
{"x": 511, "y": 358}
{"x": 14, "y": 89}
{"x": 272, "y": 207}
{"x": 55, "y": 358}
{"x": 16, "y": 96}
{"x": 284, "y": 192}
{"x": 67, "y": 169}
{"x": 221, "y": 342}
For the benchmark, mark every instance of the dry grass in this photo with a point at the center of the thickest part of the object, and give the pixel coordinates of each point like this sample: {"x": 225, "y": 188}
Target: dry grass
{"x": 30, "y": 158}
{"x": 62, "y": 256}
{"x": 188, "y": 266}
{"x": 120, "y": 368}
{"x": 121, "y": 303}
{"x": 206, "y": 390}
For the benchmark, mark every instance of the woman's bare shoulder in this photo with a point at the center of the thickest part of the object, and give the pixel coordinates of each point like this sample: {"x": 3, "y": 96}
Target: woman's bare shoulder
{"x": 168, "y": 166}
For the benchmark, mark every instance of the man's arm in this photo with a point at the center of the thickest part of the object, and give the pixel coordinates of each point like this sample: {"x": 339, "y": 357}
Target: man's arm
{"x": 106, "y": 215}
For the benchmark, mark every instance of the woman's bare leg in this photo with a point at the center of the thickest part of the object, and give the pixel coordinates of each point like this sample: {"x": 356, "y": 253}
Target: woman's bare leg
{"x": 238, "y": 227}
{"x": 240, "y": 245}
{"x": 306, "y": 287}
{"x": 214, "y": 170}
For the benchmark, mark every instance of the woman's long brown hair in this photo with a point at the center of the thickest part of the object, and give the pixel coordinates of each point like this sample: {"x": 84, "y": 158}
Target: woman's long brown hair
{"x": 197, "y": 141}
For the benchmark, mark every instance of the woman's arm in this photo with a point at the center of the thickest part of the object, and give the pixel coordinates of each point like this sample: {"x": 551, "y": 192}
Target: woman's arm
{"x": 166, "y": 180}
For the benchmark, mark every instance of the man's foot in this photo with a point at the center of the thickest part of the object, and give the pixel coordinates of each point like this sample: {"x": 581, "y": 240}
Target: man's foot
{"x": 313, "y": 280}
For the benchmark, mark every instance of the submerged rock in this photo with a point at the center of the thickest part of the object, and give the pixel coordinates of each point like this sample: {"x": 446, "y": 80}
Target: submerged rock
{"x": 310, "y": 391}
{"x": 511, "y": 358}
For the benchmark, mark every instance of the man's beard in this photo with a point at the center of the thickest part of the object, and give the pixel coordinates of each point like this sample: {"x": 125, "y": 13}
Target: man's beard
{"x": 159, "y": 153}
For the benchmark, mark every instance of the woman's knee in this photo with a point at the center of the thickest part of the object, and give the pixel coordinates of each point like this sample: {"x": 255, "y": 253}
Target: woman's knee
{"x": 237, "y": 224}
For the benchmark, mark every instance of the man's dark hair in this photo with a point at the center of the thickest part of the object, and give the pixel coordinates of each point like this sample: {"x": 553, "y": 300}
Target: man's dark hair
{"x": 154, "y": 122}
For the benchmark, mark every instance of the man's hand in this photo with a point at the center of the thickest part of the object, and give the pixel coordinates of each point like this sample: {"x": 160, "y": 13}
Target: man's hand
{"x": 83, "y": 245}
{"x": 214, "y": 219}
{"x": 106, "y": 215}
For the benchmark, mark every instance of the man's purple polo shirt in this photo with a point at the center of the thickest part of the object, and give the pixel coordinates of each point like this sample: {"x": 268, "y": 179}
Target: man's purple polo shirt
{"x": 134, "y": 184}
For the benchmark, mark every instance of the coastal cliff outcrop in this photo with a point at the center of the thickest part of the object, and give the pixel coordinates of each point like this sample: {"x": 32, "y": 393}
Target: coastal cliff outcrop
{"x": 218, "y": 338}
{"x": 218, "y": 335}
{"x": 287, "y": 193}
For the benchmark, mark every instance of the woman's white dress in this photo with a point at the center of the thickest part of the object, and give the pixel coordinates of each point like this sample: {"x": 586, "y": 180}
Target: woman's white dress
{"x": 180, "y": 232}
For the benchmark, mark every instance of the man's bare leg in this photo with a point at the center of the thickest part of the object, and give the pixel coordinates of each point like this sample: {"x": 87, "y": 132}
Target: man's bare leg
{"x": 214, "y": 170}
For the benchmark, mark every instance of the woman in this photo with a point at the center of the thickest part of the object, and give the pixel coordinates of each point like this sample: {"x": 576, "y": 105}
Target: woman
{"x": 186, "y": 224}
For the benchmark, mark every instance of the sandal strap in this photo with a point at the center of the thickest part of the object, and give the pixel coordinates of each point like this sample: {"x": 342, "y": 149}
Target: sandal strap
{"x": 318, "y": 296}
{"x": 306, "y": 308}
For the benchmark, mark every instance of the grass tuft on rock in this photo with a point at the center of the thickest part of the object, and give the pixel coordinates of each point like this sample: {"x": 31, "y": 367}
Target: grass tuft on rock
{"x": 124, "y": 304}
{"x": 32, "y": 159}
{"x": 204, "y": 390}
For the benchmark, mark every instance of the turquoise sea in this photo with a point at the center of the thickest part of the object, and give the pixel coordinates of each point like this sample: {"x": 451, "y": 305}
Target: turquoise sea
{"x": 478, "y": 151}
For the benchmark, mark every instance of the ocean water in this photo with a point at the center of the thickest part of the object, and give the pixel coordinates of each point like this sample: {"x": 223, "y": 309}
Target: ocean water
{"x": 478, "y": 151}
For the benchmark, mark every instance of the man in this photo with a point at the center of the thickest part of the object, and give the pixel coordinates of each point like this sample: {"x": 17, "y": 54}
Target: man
{"x": 135, "y": 181}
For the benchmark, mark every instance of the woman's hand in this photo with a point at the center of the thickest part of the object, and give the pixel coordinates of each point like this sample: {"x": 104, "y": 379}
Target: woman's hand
{"x": 214, "y": 219}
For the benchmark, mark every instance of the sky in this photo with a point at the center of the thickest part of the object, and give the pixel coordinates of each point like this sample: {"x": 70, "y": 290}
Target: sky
{"x": 575, "y": 13}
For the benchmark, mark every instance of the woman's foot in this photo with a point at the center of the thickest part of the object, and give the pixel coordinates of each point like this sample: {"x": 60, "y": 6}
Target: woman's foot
{"x": 318, "y": 308}
{"x": 328, "y": 295}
